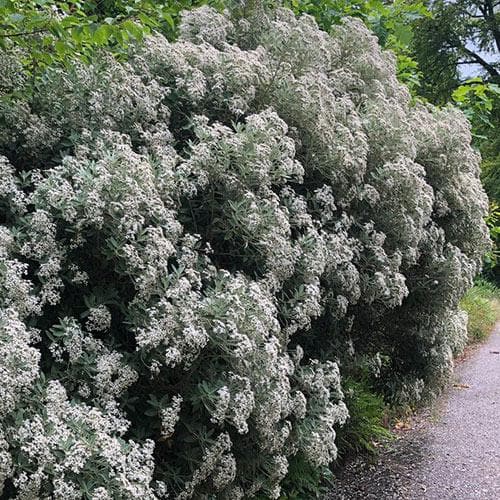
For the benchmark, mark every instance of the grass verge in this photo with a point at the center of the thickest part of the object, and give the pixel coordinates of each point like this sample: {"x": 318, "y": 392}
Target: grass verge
{"x": 482, "y": 304}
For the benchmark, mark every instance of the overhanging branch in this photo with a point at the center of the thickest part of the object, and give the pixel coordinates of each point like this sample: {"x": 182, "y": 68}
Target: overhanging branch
{"x": 485, "y": 64}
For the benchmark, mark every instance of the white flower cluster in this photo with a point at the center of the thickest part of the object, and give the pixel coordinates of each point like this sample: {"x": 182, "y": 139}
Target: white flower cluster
{"x": 193, "y": 242}
{"x": 217, "y": 462}
{"x": 19, "y": 361}
{"x": 67, "y": 438}
{"x": 98, "y": 319}
{"x": 170, "y": 416}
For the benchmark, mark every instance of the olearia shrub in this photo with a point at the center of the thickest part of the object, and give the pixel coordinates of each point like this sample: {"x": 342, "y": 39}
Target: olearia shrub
{"x": 196, "y": 244}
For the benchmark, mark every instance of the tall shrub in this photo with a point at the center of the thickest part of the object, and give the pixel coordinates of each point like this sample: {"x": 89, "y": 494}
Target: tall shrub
{"x": 196, "y": 243}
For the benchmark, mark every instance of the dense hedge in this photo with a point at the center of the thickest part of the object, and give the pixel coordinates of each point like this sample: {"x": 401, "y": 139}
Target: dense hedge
{"x": 197, "y": 244}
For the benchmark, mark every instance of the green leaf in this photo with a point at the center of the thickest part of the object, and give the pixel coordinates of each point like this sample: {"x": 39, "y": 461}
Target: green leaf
{"x": 101, "y": 35}
{"x": 133, "y": 29}
{"x": 460, "y": 93}
{"x": 170, "y": 21}
{"x": 77, "y": 34}
{"x": 147, "y": 20}
{"x": 403, "y": 33}
{"x": 61, "y": 47}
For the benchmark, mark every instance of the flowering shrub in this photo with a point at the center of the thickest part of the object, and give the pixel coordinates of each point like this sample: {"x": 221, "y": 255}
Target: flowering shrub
{"x": 196, "y": 243}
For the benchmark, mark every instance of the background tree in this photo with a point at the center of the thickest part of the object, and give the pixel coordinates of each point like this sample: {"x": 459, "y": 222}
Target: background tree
{"x": 460, "y": 34}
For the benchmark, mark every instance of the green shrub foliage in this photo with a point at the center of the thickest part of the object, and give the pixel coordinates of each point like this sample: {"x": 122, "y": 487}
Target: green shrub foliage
{"x": 193, "y": 244}
{"x": 482, "y": 304}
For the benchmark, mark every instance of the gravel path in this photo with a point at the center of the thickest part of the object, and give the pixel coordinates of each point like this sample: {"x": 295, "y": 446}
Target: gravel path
{"x": 452, "y": 450}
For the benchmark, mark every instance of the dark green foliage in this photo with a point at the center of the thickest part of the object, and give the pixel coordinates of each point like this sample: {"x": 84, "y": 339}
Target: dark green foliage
{"x": 439, "y": 67}
{"x": 491, "y": 269}
{"x": 463, "y": 32}
{"x": 304, "y": 481}
{"x": 490, "y": 174}
{"x": 365, "y": 425}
